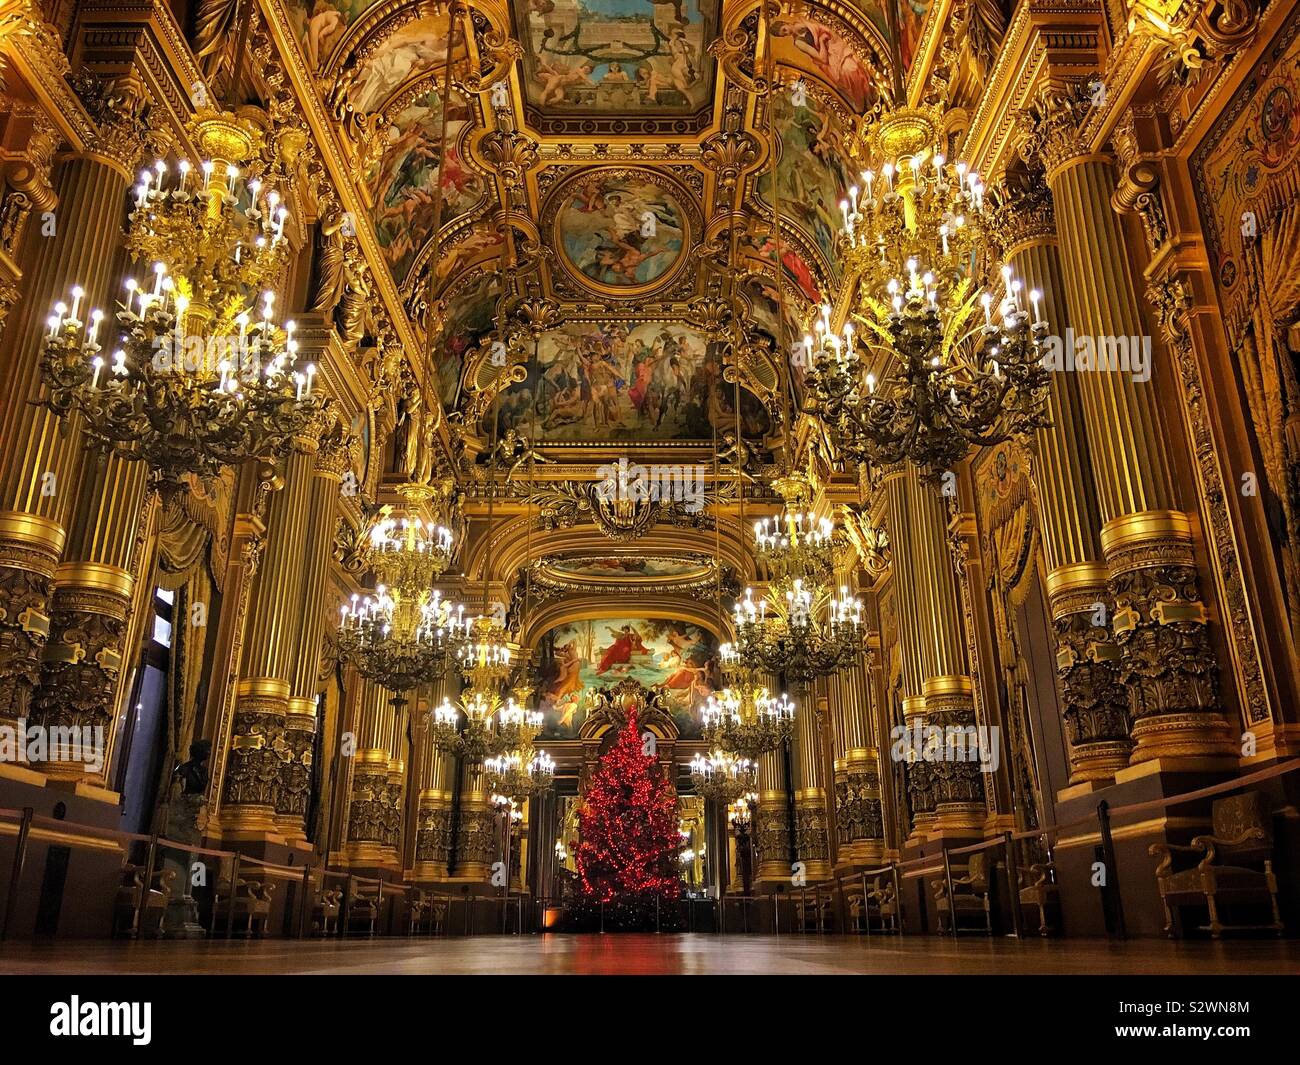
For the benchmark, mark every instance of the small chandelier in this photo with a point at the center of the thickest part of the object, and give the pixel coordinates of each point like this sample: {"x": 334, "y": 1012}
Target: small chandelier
{"x": 746, "y": 720}
{"x": 722, "y": 776}
{"x": 797, "y": 543}
{"x": 198, "y": 379}
{"x": 480, "y": 722}
{"x": 405, "y": 634}
{"x": 741, "y": 812}
{"x": 808, "y": 632}
{"x": 512, "y": 775}
{"x": 911, "y": 240}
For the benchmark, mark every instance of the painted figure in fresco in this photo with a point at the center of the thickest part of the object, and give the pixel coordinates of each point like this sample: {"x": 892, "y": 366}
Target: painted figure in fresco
{"x": 411, "y": 49}
{"x": 832, "y": 57}
{"x": 620, "y": 234}
{"x": 556, "y": 78}
{"x": 324, "y": 28}
{"x": 627, "y": 642}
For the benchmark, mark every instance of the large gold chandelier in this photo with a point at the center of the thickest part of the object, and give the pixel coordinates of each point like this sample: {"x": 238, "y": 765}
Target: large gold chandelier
{"x": 480, "y": 722}
{"x": 960, "y": 363}
{"x": 405, "y": 634}
{"x": 199, "y": 374}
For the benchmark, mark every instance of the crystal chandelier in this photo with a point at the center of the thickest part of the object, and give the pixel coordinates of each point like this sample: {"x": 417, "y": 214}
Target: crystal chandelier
{"x": 198, "y": 378}
{"x": 950, "y": 377}
{"x": 519, "y": 771}
{"x": 406, "y": 634}
{"x": 746, "y": 720}
{"x": 800, "y": 628}
{"x": 722, "y": 776}
{"x": 481, "y": 723}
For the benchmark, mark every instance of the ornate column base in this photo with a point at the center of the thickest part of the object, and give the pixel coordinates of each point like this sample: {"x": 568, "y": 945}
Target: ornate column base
{"x": 82, "y": 663}
{"x": 1094, "y": 703}
{"x": 812, "y": 833}
{"x": 368, "y": 812}
{"x": 772, "y": 839}
{"x": 859, "y": 817}
{"x": 258, "y": 749}
{"x": 293, "y": 784}
{"x": 920, "y": 776}
{"x": 476, "y": 842}
{"x": 432, "y": 835}
{"x": 959, "y": 808}
{"x": 30, "y": 548}
{"x": 394, "y": 787}
{"x": 1167, "y": 664}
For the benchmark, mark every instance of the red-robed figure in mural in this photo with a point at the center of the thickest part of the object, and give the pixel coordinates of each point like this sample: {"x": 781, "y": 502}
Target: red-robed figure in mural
{"x": 627, "y": 642}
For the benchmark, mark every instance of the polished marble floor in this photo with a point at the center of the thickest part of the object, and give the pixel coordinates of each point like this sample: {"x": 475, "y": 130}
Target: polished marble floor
{"x": 656, "y": 955}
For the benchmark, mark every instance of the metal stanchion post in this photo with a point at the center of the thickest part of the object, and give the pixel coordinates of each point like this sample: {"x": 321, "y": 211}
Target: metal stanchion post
{"x": 234, "y": 890}
{"x": 1013, "y": 882}
{"x": 1112, "y": 868}
{"x": 151, "y": 856}
{"x": 866, "y": 907}
{"x": 952, "y": 903}
{"x": 898, "y": 899}
{"x": 16, "y": 874}
{"x": 303, "y": 905}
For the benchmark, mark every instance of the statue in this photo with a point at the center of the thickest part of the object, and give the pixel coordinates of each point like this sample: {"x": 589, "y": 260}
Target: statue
{"x": 331, "y": 263}
{"x": 738, "y": 454}
{"x": 515, "y": 450}
{"x": 186, "y": 820}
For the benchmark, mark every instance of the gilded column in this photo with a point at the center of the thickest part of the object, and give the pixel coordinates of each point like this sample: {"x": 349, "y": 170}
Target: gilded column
{"x": 900, "y": 519}
{"x": 1094, "y": 703}
{"x": 93, "y": 591}
{"x": 811, "y": 817}
{"x": 367, "y": 838}
{"x": 435, "y": 780}
{"x": 859, "y": 818}
{"x": 476, "y": 829}
{"x": 294, "y": 785}
{"x": 771, "y": 819}
{"x": 1166, "y": 662}
{"x": 40, "y": 458}
{"x": 258, "y": 748}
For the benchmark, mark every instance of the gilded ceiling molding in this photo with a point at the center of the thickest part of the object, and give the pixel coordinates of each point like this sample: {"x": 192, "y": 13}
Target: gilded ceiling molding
{"x": 32, "y": 47}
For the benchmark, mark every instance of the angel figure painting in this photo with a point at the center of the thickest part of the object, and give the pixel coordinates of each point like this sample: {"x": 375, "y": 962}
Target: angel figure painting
{"x": 621, "y": 230}
{"x": 678, "y": 659}
{"x": 405, "y": 177}
{"x": 609, "y": 56}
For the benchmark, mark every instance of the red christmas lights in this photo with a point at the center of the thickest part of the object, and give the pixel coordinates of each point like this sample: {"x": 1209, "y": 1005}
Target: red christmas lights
{"x": 628, "y": 826}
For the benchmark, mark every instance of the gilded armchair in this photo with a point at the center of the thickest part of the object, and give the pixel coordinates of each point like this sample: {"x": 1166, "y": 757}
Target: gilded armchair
{"x": 1235, "y": 867}
{"x": 970, "y": 894}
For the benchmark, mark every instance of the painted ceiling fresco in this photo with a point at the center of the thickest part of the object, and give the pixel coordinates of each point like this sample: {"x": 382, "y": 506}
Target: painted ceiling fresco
{"x": 615, "y": 56}
{"x": 626, "y": 381}
{"x": 616, "y": 98}
{"x": 677, "y": 658}
{"x": 627, "y": 568}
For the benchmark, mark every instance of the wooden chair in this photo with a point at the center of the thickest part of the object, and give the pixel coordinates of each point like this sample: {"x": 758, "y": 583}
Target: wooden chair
{"x": 876, "y": 903}
{"x": 1235, "y": 867}
{"x": 1038, "y": 890}
{"x": 815, "y": 911}
{"x": 325, "y": 911}
{"x": 363, "y": 908}
{"x": 153, "y": 907}
{"x": 252, "y": 903}
{"x": 427, "y": 913}
{"x": 970, "y": 895}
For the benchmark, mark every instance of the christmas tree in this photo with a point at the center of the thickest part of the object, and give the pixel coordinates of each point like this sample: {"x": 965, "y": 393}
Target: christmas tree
{"x": 627, "y": 854}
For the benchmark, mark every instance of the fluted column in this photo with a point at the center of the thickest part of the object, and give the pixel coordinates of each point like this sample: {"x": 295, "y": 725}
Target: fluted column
{"x": 476, "y": 829}
{"x": 435, "y": 779}
{"x": 369, "y": 831}
{"x": 859, "y": 818}
{"x": 811, "y": 815}
{"x": 1166, "y": 661}
{"x": 258, "y": 748}
{"x": 771, "y": 819}
{"x": 40, "y": 456}
{"x": 1094, "y": 704}
{"x": 94, "y": 588}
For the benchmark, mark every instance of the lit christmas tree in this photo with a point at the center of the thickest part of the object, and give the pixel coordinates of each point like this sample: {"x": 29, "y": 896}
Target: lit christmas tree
{"x": 627, "y": 854}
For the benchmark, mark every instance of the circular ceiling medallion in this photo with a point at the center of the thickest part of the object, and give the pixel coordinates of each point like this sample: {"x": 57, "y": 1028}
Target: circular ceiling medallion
{"x": 621, "y": 231}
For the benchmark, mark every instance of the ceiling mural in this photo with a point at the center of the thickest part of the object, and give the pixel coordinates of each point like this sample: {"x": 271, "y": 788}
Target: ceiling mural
{"x": 911, "y": 25}
{"x": 322, "y": 24}
{"x": 625, "y": 381}
{"x": 676, "y": 658}
{"x": 625, "y": 569}
{"x": 615, "y": 56}
{"x": 811, "y": 172}
{"x": 821, "y": 45}
{"x": 403, "y": 179}
{"x": 471, "y": 314}
{"x": 620, "y": 228}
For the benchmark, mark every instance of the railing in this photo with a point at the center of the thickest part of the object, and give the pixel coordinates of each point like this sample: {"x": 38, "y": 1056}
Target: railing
{"x": 376, "y": 900}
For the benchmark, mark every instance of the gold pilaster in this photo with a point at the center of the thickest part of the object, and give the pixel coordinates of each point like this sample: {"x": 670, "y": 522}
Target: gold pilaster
{"x": 811, "y": 813}
{"x": 434, "y": 777}
{"x": 859, "y": 816}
